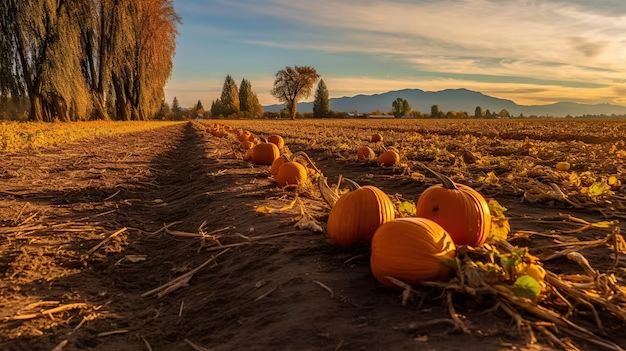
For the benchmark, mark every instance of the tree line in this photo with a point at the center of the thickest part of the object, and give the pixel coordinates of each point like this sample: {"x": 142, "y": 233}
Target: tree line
{"x": 86, "y": 59}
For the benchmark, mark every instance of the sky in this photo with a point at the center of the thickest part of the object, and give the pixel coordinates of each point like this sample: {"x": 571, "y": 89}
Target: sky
{"x": 532, "y": 52}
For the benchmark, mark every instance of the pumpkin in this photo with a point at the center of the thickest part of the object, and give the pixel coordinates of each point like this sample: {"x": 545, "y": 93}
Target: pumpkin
{"x": 278, "y": 140}
{"x": 376, "y": 138}
{"x": 389, "y": 158}
{"x": 365, "y": 153}
{"x": 248, "y": 155}
{"x": 357, "y": 214}
{"x": 265, "y": 154}
{"x": 563, "y": 166}
{"x": 291, "y": 173}
{"x": 219, "y": 134}
{"x": 459, "y": 209}
{"x": 251, "y": 138}
{"x": 247, "y": 145}
{"x": 244, "y": 136}
{"x": 411, "y": 250}
{"x": 277, "y": 163}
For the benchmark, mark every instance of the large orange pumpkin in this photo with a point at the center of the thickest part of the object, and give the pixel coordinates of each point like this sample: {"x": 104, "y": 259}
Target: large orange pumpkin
{"x": 389, "y": 158}
{"x": 244, "y": 136}
{"x": 291, "y": 173}
{"x": 411, "y": 250}
{"x": 376, "y": 138}
{"x": 365, "y": 153}
{"x": 277, "y": 163}
{"x": 276, "y": 139}
{"x": 356, "y": 215}
{"x": 459, "y": 209}
{"x": 265, "y": 154}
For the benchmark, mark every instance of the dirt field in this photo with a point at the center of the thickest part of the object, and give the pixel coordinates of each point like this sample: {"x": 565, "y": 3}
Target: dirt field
{"x": 58, "y": 204}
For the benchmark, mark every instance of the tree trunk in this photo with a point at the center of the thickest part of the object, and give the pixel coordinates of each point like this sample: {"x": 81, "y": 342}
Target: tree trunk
{"x": 36, "y": 112}
{"x": 293, "y": 109}
{"x": 99, "y": 110}
{"x": 60, "y": 108}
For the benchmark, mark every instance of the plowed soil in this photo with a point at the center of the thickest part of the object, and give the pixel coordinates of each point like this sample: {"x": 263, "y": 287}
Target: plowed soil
{"x": 289, "y": 292}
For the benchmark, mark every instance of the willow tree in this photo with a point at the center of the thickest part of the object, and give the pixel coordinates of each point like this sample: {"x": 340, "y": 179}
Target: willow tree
{"x": 41, "y": 57}
{"x": 294, "y": 84}
{"x": 144, "y": 62}
{"x": 101, "y": 23}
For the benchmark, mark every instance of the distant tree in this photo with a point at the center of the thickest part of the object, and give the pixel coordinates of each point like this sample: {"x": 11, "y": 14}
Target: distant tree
{"x": 248, "y": 100}
{"x": 230, "y": 97}
{"x": 217, "y": 108}
{"x": 400, "y": 107}
{"x": 478, "y": 112}
{"x": 488, "y": 114}
{"x": 434, "y": 111}
{"x": 321, "y": 104}
{"x": 504, "y": 113}
{"x": 521, "y": 115}
{"x": 293, "y": 84}
{"x": 175, "y": 105}
{"x": 451, "y": 114}
{"x": 199, "y": 106}
{"x": 416, "y": 114}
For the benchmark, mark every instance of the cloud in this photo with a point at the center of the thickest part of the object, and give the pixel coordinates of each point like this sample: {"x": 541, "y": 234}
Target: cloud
{"x": 586, "y": 47}
{"x": 526, "y": 50}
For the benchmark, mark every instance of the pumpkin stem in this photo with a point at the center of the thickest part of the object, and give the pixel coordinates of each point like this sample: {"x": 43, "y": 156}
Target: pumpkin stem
{"x": 352, "y": 185}
{"x": 328, "y": 194}
{"x": 331, "y": 196}
{"x": 308, "y": 159}
{"x": 339, "y": 183}
{"x": 444, "y": 180}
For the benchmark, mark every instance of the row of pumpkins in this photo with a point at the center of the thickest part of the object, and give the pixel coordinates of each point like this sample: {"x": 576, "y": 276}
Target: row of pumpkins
{"x": 408, "y": 249}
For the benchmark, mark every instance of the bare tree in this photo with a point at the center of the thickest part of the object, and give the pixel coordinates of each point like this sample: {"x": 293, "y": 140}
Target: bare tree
{"x": 293, "y": 84}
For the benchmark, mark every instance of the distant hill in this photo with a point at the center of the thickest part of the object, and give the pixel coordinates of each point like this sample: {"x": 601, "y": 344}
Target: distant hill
{"x": 456, "y": 100}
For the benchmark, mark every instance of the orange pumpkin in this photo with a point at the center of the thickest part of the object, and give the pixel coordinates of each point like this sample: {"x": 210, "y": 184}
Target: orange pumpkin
{"x": 219, "y": 133}
{"x": 276, "y": 165}
{"x": 265, "y": 154}
{"x": 459, "y": 209}
{"x": 411, "y": 250}
{"x": 389, "y": 158}
{"x": 291, "y": 173}
{"x": 365, "y": 153}
{"x": 356, "y": 215}
{"x": 248, "y": 155}
{"x": 376, "y": 138}
{"x": 247, "y": 145}
{"x": 251, "y": 138}
{"x": 278, "y": 140}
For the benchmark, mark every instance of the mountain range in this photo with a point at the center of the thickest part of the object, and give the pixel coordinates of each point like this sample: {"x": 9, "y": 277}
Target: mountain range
{"x": 456, "y": 100}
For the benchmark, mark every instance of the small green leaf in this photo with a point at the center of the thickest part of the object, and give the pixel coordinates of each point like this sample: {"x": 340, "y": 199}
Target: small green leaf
{"x": 526, "y": 286}
{"x": 510, "y": 261}
{"x": 598, "y": 188}
{"x": 496, "y": 209}
{"x": 408, "y": 208}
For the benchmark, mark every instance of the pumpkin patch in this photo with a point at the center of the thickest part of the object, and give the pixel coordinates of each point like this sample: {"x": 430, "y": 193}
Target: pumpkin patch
{"x": 450, "y": 240}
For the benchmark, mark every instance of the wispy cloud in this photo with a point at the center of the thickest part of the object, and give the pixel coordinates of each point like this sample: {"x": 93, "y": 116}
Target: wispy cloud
{"x": 530, "y": 51}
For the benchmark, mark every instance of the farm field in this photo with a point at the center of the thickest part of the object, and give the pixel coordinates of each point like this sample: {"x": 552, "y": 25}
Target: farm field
{"x": 15, "y": 136}
{"x": 92, "y": 233}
